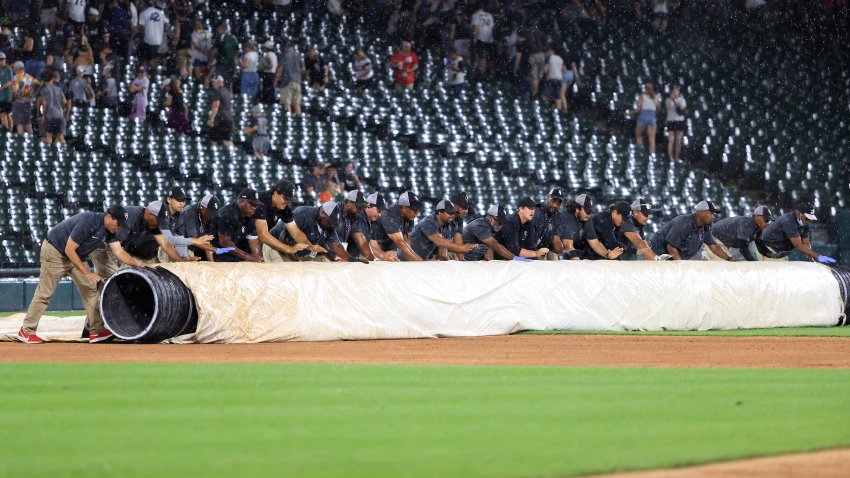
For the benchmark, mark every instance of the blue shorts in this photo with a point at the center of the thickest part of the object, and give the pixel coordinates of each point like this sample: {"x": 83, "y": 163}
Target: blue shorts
{"x": 646, "y": 118}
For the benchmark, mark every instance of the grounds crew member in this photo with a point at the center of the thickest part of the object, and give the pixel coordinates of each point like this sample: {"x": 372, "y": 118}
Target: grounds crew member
{"x": 196, "y": 221}
{"x": 684, "y": 236}
{"x": 547, "y": 224}
{"x": 457, "y": 223}
{"x": 630, "y": 233}
{"x": 140, "y": 237}
{"x": 360, "y": 233}
{"x": 516, "y": 232}
{"x": 737, "y": 235}
{"x": 577, "y": 214}
{"x": 168, "y": 213}
{"x": 428, "y": 237}
{"x": 788, "y": 232}
{"x": 235, "y": 229}
{"x": 274, "y": 206}
{"x": 352, "y": 209}
{"x": 391, "y": 232}
{"x": 482, "y": 233}
{"x": 63, "y": 254}
{"x": 600, "y": 233}
{"x": 318, "y": 224}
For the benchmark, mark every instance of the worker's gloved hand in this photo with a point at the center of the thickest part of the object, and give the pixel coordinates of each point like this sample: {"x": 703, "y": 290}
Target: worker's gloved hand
{"x": 663, "y": 257}
{"x": 566, "y": 255}
{"x": 826, "y": 260}
{"x": 224, "y": 250}
{"x": 521, "y": 259}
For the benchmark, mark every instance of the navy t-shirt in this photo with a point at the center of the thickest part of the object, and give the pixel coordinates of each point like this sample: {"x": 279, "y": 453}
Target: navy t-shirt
{"x": 778, "y": 233}
{"x": 516, "y": 236}
{"x": 85, "y": 228}
{"x": 390, "y": 222}
{"x": 599, "y": 227}
{"x": 231, "y": 223}
{"x": 306, "y": 218}
{"x": 683, "y": 234}
{"x": 736, "y": 232}
{"x": 419, "y": 237}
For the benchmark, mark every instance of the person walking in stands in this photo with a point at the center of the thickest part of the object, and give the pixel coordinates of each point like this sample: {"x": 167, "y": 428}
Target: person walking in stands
{"x": 53, "y": 109}
{"x": 289, "y": 76}
{"x": 646, "y": 108}
{"x": 404, "y": 64}
{"x": 6, "y": 75}
{"x": 675, "y": 122}
{"x": 260, "y": 128}
{"x": 268, "y": 68}
{"x": 178, "y": 112}
{"x": 23, "y": 88}
{"x": 139, "y": 88}
{"x": 249, "y": 63}
{"x": 63, "y": 254}
{"x": 221, "y": 113}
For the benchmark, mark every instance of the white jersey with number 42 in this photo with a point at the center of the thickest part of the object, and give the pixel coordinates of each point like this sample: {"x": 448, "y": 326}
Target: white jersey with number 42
{"x": 154, "y": 21}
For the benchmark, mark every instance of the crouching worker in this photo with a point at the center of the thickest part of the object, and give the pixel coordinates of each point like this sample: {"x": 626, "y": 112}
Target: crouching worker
{"x": 63, "y": 253}
{"x": 481, "y": 232}
{"x": 235, "y": 228}
{"x": 428, "y": 237}
{"x": 318, "y": 225}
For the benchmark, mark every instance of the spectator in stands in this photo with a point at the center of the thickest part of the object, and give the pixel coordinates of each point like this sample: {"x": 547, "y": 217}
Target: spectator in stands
{"x": 350, "y": 180}
{"x": 226, "y": 53}
{"x": 221, "y": 113}
{"x": 78, "y": 88}
{"x": 535, "y": 45}
{"x": 289, "y": 76}
{"x": 569, "y": 79}
{"x": 483, "y": 45}
{"x": 331, "y": 183}
{"x": 31, "y": 52}
{"x": 250, "y": 81}
{"x": 139, "y": 89}
{"x": 315, "y": 182}
{"x": 460, "y": 33}
{"x": 455, "y": 71}
{"x": 84, "y": 57}
{"x": 675, "y": 105}
{"x": 6, "y": 76}
{"x": 117, "y": 18}
{"x": 201, "y": 46}
{"x": 268, "y": 68}
{"x": 318, "y": 75}
{"x": 259, "y": 127}
{"x": 659, "y": 14}
{"x": 24, "y": 88}
{"x": 53, "y": 109}
{"x": 96, "y": 33}
{"x": 59, "y": 44}
{"x": 153, "y": 21}
{"x": 182, "y": 43}
{"x": 553, "y": 76}
{"x": 576, "y": 14}
{"x": 646, "y": 109}
{"x": 75, "y": 12}
{"x": 404, "y": 64}
{"x": 178, "y": 111}
{"x": 364, "y": 77}
{"x": 108, "y": 91}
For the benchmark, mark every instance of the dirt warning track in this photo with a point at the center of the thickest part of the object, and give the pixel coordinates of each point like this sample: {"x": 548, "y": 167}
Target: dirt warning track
{"x": 528, "y": 350}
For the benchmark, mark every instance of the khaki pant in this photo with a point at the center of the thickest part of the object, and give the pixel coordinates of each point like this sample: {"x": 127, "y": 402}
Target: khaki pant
{"x": 55, "y": 266}
{"x": 104, "y": 261}
{"x": 291, "y": 94}
{"x": 162, "y": 257}
{"x": 552, "y": 256}
{"x": 736, "y": 253}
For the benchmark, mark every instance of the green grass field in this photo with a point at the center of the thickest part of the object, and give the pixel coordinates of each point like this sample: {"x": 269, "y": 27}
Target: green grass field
{"x": 233, "y": 420}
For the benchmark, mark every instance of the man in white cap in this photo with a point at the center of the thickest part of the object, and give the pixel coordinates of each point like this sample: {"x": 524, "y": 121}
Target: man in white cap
{"x": 221, "y": 113}
{"x": 428, "y": 237}
{"x": 168, "y": 212}
{"x": 630, "y": 233}
{"x": 195, "y": 220}
{"x": 788, "y": 232}
{"x": 684, "y": 236}
{"x": 358, "y": 234}
{"x": 737, "y": 235}
{"x": 268, "y": 69}
{"x": 481, "y": 233}
{"x": 391, "y": 232}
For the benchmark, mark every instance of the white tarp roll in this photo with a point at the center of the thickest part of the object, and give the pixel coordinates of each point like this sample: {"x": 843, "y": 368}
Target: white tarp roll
{"x": 242, "y": 303}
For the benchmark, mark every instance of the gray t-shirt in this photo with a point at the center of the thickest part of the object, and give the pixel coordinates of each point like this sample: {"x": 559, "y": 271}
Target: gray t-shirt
{"x": 54, "y": 98}
{"x": 477, "y": 231}
{"x": 570, "y": 226}
{"x": 736, "y": 232}
{"x": 225, "y": 107}
{"x": 78, "y": 89}
{"x": 85, "y": 228}
{"x": 628, "y": 225}
{"x": 292, "y": 64}
{"x": 777, "y": 235}
{"x": 683, "y": 234}
{"x": 390, "y": 222}
{"x": 419, "y": 237}
{"x": 306, "y": 218}
{"x": 349, "y": 226}
{"x": 262, "y": 126}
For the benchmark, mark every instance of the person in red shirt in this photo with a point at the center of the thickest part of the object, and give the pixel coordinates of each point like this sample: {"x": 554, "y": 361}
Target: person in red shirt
{"x": 404, "y": 63}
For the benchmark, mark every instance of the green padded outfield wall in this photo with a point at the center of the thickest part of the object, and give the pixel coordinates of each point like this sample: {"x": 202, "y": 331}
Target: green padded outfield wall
{"x": 15, "y": 295}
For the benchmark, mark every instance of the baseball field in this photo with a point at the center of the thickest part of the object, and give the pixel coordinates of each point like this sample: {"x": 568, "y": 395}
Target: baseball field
{"x": 527, "y": 405}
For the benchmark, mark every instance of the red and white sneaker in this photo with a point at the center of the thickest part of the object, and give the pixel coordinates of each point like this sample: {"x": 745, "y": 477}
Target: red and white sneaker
{"x": 29, "y": 338}
{"x": 101, "y": 337}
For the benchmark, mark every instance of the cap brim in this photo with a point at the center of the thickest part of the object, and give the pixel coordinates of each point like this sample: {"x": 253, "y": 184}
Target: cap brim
{"x": 255, "y": 202}
{"x": 811, "y": 217}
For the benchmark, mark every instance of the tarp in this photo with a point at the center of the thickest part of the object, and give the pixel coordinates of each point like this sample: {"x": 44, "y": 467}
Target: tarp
{"x": 242, "y": 303}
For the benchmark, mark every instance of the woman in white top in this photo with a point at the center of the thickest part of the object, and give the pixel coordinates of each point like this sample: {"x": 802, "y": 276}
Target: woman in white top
{"x": 675, "y": 122}
{"x": 250, "y": 81}
{"x": 646, "y": 108}
{"x": 364, "y": 77}
{"x": 201, "y": 45}
{"x": 268, "y": 68}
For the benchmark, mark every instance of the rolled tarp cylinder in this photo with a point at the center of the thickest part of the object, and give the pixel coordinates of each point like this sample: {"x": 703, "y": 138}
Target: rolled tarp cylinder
{"x": 842, "y": 276}
{"x": 147, "y": 305}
